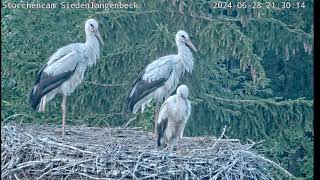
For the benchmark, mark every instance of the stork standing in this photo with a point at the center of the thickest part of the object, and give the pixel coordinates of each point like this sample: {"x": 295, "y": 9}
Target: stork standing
{"x": 159, "y": 79}
{"x": 173, "y": 116}
{"x": 65, "y": 70}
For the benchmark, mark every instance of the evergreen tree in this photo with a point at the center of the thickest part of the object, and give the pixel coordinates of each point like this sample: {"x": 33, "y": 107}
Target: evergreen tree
{"x": 251, "y": 63}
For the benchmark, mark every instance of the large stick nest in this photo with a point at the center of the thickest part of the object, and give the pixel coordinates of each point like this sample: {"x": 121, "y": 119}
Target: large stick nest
{"x": 31, "y": 151}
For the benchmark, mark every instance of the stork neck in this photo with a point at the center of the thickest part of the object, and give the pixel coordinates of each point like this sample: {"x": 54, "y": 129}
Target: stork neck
{"x": 185, "y": 57}
{"x": 178, "y": 101}
{"x": 91, "y": 39}
{"x": 93, "y": 49}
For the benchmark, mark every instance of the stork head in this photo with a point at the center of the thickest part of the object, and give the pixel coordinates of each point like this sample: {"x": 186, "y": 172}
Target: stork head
{"x": 183, "y": 91}
{"x": 183, "y": 38}
{"x": 92, "y": 28}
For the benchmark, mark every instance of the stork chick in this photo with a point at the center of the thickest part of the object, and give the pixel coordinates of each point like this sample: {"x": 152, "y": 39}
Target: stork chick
{"x": 173, "y": 116}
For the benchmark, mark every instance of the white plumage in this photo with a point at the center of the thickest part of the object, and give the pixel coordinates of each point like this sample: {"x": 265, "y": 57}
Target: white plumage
{"x": 65, "y": 70}
{"x": 160, "y": 78}
{"x": 173, "y": 116}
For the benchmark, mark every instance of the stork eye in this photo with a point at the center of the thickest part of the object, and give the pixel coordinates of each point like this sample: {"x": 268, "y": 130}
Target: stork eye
{"x": 91, "y": 25}
{"x": 183, "y": 36}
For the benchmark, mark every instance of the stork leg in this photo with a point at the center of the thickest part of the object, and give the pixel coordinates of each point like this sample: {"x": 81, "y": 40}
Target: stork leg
{"x": 156, "y": 114}
{"x": 179, "y": 145}
{"x": 42, "y": 105}
{"x": 64, "y": 110}
{"x": 168, "y": 147}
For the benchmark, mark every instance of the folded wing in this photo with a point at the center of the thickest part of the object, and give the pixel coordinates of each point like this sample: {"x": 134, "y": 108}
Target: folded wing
{"x": 149, "y": 79}
{"x": 162, "y": 122}
{"x": 52, "y": 75}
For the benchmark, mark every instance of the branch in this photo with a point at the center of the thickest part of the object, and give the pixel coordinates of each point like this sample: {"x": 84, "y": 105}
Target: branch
{"x": 284, "y": 25}
{"x": 271, "y": 162}
{"x": 15, "y": 115}
{"x": 64, "y": 145}
{"x": 104, "y": 85}
{"x": 270, "y": 100}
{"x": 129, "y": 121}
{"x": 270, "y": 20}
{"x": 220, "y": 137}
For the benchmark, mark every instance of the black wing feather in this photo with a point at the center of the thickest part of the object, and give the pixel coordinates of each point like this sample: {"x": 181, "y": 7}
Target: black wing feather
{"x": 160, "y": 129}
{"x": 39, "y": 74}
{"x": 143, "y": 88}
{"x": 46, "y": 83}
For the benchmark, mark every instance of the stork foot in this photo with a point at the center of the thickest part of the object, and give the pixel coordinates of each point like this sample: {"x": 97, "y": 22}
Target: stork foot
{"x": 178, "y": 149}
{"x": 154, "y": 136}
{"x": 168, "y": 147}
{"x": 63, "y": 134}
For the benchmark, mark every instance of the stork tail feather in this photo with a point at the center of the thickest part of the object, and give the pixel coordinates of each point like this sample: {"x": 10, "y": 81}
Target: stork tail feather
{"x": 33, "y": 100}
{"x": 129, "y": 104}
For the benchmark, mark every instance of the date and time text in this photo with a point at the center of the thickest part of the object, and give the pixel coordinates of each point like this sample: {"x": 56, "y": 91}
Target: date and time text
{"x": 258, "y": 5}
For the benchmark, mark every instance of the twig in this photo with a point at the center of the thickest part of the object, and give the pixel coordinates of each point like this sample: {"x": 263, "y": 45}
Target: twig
{"x": 137, "y": 164}
{"x": 220, "y": 137}
{"x": 15, "y": 115}
{"x": 129, "y": 121}
{"x": 64, "y": 145}
{"x": 273, "y": 163}
{"x": 88, "y": 176}
{"x": 104, "y": 85}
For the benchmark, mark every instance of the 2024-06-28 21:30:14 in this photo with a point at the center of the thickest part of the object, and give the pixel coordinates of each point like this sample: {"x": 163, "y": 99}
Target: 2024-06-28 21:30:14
{"x": 258, "y": 5}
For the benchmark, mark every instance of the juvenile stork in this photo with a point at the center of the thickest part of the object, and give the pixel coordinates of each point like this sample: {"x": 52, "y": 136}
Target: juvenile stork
{"x": 159, "y": 79}
{"x": 65, "y": 70}
{"x": 173, "y": 116}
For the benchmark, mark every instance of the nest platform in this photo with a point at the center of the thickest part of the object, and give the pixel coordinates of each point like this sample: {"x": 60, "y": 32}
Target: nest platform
{"x": 33, "y": 151}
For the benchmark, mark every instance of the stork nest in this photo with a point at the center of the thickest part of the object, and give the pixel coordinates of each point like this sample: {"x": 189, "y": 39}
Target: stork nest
{"x": 32, "y": 151}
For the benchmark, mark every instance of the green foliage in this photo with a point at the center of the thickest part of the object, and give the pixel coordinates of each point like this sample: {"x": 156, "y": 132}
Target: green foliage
{"x": 250, "y": 64}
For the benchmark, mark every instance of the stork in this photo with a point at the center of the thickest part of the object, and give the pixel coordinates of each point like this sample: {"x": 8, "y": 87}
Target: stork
{"x": 159, "y": 79}
{"x": 173, "y": 116}
{"x": 65, "y": 70}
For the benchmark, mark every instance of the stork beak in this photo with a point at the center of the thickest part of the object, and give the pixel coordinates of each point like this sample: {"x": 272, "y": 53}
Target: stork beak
{"x": 190, "y": 45}
{"x": 98, "y": 36}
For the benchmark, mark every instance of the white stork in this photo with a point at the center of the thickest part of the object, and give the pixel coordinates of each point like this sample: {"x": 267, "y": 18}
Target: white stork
{"x": 161, "y": 77}
{"x": 65, "y": 70}
{"x": 173, "y": 116}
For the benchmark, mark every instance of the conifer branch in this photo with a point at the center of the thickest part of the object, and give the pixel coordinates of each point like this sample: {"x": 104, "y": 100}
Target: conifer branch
{"x": 256, "y": 101}
{"x": 285, "y": 26}
{"x": 270, "y": 20}
{"x": 122, "y": 12}
{"x": 104, "y": 85}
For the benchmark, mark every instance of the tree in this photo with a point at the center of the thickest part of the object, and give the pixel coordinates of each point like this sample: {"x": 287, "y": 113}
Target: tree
{"x": 251, "y": 63}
